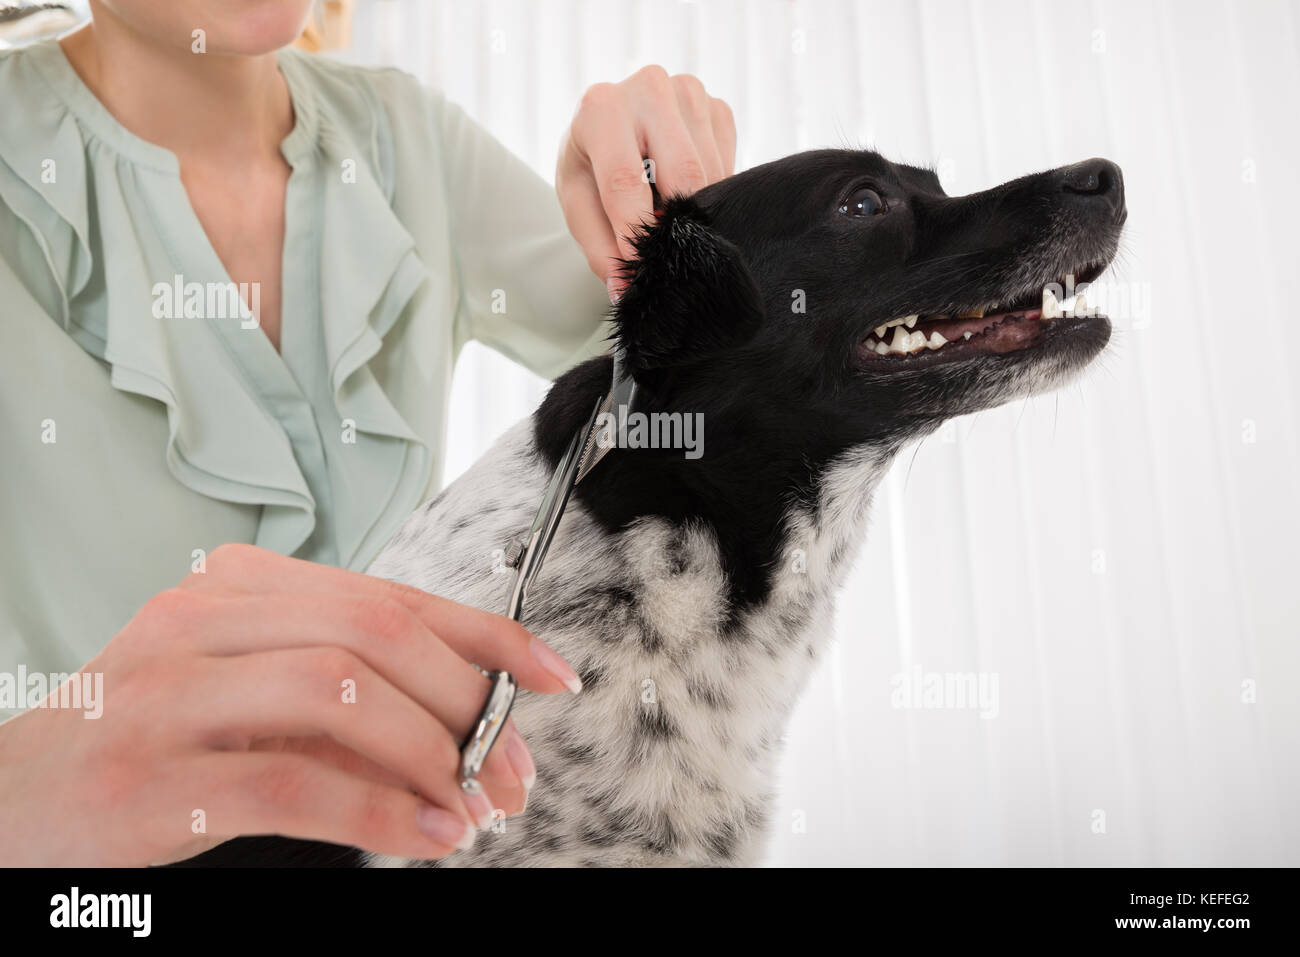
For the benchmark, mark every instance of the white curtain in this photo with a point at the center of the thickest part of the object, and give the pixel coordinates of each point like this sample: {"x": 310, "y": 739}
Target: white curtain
{"x": 1117, "y": 561}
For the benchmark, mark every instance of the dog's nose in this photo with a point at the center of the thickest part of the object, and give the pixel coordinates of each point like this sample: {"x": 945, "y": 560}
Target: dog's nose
{"x": 1096, "y": 181}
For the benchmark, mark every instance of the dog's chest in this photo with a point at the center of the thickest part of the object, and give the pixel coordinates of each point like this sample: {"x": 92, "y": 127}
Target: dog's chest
{"x": 667, "y": 755}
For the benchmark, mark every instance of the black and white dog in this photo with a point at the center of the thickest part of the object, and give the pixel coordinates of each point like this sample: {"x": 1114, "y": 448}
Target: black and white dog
{"x": 819, "y": 313}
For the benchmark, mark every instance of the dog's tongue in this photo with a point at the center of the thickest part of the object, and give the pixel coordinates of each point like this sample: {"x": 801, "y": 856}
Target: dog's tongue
{"x": 954, "y": 330}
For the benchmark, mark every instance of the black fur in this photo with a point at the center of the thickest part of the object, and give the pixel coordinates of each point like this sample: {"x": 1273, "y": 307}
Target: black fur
{"x": 684, "y": 270}
{"x": 708, "y": 325}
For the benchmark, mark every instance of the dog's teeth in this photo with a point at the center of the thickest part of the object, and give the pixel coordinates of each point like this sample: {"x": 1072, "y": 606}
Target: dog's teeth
{"x": 1080, "y": 305}
{"x": 905, "y": 342}
{"x": 967, "y": 334}
{"x": 881, "y": 330}
{"x": 1051, "y": 308}
{"x": 881, "y": 348}
{"x": 910, "y": 320}
{"x": 973, "y": 314}
{"x": 936, "y": 341}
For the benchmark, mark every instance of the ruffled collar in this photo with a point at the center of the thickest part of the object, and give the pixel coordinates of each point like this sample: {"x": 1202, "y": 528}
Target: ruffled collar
{"x": 232, "y": 430}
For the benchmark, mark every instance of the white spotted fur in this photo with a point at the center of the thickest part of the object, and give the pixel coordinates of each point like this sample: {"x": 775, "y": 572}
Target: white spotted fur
{"x": 701, "y": 796}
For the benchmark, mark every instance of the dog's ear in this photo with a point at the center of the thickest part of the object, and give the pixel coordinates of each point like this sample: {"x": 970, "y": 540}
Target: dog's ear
{"x": 689, "y": 295}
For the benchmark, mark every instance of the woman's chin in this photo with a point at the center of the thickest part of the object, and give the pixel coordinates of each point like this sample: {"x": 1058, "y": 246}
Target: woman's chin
{"x": 256, "y": 27}
{"x": 227, "y": 28}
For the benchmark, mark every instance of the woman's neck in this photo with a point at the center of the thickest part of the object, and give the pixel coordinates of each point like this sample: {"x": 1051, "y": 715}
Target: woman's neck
{"x": 209, "y": 109}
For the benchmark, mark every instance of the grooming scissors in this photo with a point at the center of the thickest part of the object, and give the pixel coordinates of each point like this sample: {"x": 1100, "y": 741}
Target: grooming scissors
{"x": 526, "y": 555}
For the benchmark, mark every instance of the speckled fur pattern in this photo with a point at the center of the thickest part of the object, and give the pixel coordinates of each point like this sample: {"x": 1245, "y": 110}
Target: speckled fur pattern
{"x": 667, "y": 756}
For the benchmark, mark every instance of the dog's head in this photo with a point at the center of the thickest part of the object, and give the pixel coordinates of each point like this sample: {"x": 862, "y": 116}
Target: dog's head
{"x": 826, "y": 304}
{"x": 853, "y": 299}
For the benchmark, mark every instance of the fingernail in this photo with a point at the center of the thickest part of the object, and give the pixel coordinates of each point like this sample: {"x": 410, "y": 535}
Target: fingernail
{"x": 479, "y": 807}
{"x": 445, "y": 827}
{"x": 520, "y": 758}
{"x": 611, "y": 284}
{"x": 556, "y": 665}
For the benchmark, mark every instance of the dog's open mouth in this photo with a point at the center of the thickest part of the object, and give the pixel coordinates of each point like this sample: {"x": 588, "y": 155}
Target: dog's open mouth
{"x": 997, "y": 328}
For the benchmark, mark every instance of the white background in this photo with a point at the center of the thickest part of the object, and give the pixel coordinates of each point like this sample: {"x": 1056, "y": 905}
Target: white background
{"x": 1122, "y": 555}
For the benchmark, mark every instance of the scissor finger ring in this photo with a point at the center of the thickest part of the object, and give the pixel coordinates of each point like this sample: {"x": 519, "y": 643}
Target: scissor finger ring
{"x": 501, "y": 695}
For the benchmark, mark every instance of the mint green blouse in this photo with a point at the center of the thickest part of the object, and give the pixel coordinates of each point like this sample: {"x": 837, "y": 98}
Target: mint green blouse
{"x": 132, "y": 445}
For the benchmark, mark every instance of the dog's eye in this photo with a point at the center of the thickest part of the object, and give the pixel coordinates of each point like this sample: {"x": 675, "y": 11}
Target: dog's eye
{"x": 864, "y": 202}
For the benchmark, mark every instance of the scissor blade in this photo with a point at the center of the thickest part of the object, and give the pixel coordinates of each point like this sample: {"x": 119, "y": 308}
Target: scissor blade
{"x": 548, "y": 517}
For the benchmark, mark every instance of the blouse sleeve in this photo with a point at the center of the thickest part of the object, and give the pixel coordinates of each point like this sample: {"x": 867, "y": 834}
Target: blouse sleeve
{"x": 526, "y": 289}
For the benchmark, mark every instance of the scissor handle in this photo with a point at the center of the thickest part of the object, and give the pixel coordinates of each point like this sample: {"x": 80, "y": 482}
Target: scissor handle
{"x": 501, "y": 695}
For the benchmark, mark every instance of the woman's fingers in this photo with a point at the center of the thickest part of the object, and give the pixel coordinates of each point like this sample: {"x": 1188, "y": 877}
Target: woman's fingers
{"x": 322, "y": 747}
{"x": 510, "y": 647}
{"x": 605, "y": 140}
{"x": 678, "y": 167}
{"x": 309, "y": 691}
{"x": 696, "y": 110}
{"x": 506, "y": 645}
{"x": 491, "y": 641}
{"x": 381, "y": 632}
{"x": 398, "y": 631}
{"x": 724, "y": 133}
{"x": 585, "y": 215}
{"x": 392, "y": 642}
{"x": 688, "y": 137}
{"x": 294, "y": 796}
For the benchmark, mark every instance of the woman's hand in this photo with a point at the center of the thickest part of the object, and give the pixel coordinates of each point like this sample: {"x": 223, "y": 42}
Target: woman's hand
{"x": 273, "y": 696}
{"x": 604, "y": 186}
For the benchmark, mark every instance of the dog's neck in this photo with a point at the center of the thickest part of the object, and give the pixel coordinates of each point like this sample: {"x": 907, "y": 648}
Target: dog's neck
{"x": 646, "y": 607}
{"x": 668, "y": 754}
{"x": 759, "y": 485}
